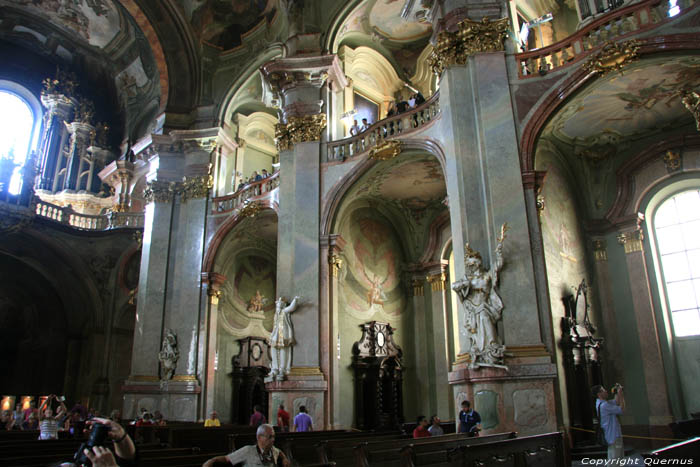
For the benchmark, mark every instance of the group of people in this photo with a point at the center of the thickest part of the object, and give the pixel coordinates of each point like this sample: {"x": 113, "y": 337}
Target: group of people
{"x": 395, "y": 108}
{"x": 469, "y": 422}
{"x": 255, "y": 177}
{"x": 147, "y": 418}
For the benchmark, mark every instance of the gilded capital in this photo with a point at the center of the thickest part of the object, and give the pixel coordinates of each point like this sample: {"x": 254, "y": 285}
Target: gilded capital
{"x": 471, "y": 37}
{"x": 159, "y": 191}
{"x": 632, "y": 241}
{"x": 437, "y": 281}
{"x": 600, "y": 252}
{"x": 196, "y": 187}
{"x": 299, "y": 130}
{"x": 336, "y": 263}
{"x": 417, "y": 287}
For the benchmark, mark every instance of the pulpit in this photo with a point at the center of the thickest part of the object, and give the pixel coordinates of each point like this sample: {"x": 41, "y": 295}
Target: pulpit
{"x": 376, "y": 364}
{"x": 250, "y": 367}
{"x": 582, "y": 363}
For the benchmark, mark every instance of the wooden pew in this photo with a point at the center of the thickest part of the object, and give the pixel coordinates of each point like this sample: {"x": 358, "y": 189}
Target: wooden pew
{"x": 388, "y": 453}
{"x": 341, "y": 451}
{"x": 684, "y": 450}
{"x": 530, "y": 451}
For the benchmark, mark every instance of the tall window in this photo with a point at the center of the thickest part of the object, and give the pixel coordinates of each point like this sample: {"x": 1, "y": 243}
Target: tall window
{"x": 677, "y": 229}
{"x": 18, "y": 128}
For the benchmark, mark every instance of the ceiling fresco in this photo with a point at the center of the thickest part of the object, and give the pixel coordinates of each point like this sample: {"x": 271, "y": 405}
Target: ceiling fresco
{"x": 96, "y": 22}
{"x": 383, "y": 17}
{"x": 627, "y": 106}
{"x": 222, "y": 22}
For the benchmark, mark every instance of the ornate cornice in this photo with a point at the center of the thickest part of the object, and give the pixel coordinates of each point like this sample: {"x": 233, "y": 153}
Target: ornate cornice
{"x": 283, "y": 74}
{"x": 471, "y": 37}
{"x": 299, "y": 130}
{"x": 613, "y": 56}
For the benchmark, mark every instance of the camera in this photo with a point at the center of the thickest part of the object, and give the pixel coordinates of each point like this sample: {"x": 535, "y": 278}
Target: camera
{"x": 616, "y": 388}
{"x": 97, "y": 437}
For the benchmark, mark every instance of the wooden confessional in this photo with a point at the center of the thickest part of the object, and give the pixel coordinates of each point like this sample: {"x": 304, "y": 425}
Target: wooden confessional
{"x": 250, "y": 367}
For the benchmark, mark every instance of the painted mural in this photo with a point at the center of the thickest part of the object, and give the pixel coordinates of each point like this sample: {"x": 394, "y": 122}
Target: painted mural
{"x": 372, "y": 282}
{"x": 95, "y": 21}
{"x": 644, "y": 98}
{"x": 249, "y": 295}
{"x": 222, "y": 22}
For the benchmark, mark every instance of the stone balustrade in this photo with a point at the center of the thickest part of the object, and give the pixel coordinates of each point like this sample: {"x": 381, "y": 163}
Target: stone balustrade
{"x": 109, "y": 221}
{"x": 617, "y": 24}
{"x": 393, "y": 126}
{"x": 228, "y": 203}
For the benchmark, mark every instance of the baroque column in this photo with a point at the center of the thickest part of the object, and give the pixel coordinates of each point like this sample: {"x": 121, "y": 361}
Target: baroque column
{"x": 482, "y": 170}
{"x": 297, "y": 83}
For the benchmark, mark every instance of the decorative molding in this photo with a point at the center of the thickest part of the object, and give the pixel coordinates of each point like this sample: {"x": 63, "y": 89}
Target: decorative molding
{"x": 305, "y": 371}
{"x": 472, "y": 37}
{"x": 336, "y": 263}
{"x": 300, "y": 129}
{"x": 437, "y": 281}
{"x": 523, "y": 351}
{"x": 600, "y": 252}
{"x": 672, "y": 161}
{"x": 417, "y": 287}
{"x": 185, "y": 378}
{"x": 632, "y": 241}
{"x": 613, "y": 56}
{"x": 386, "y": 151}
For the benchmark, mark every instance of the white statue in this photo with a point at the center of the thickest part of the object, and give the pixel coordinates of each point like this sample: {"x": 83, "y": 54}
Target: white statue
{"x": 482, "y": 307}
{"x": 168, "y": 355}
{"x": 282, "y": 338}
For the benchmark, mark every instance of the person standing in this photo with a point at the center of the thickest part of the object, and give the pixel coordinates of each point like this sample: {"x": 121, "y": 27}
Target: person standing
{"x": 365, "y": 125}
{"x": 257, "y": 418}
{"x": 421, "y": 430}
{"x": 607, "y": 411}
{"x": 283, "y": 419}
{"x": 355, "y": 128}
{"x": 48, "y": 422}
{"x": 213, "y": 420}
{"x": 262, "y": 453}
{"x": 303, "y": 421}
{"x": 469, "y": 420}
{"x": 435, "y": 429}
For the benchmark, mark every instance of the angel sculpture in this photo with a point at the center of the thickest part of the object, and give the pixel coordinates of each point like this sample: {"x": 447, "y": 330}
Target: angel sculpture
{"x": 482, "y": 307}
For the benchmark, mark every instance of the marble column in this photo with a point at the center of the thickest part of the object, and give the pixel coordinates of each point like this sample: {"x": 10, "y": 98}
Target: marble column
{"x": 484, "y": 185}
{"x": 422, "y": 377}
{"x": 631, "y": 240}
{"x": 297, "y": 83}
{"x": 208, "y": 335}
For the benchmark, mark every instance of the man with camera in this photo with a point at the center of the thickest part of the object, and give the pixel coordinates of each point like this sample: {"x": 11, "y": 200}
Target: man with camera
{"x": 95, "y": 451}
{"x": 263, "y": 453}
{"x": 607, "y": 411}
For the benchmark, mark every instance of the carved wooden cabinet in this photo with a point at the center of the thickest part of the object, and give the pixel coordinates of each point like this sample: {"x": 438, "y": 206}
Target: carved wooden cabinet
{"x": 378, "y": 378}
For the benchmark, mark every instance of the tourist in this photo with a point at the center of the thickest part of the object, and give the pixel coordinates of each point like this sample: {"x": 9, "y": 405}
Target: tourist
{"x": 265, "y": 174}
{"x": 31, "y": 423}
{"x": 419, "y": 98}
{"x": 158, "y": 418}
{"x": 257, "y": 418}
{"x": 213, "y": 420}
{"x": 17, "y": 417}
{"x": 5, "y": 420}
{"x": 28, "y": 411}
{"x": 283, "y": 419}
{"x": 303, "y": 421}
{"x": 365, "y": 125}
{"x": 256, "y": 176}
{"x": 240, "y": 186}
{"x": 124, "y": 447}
{"x": 355, "y": 128}
{"x": 262, "y": 453}
{"x": 469, "y": 420}
{"x": 421, "y": 430}
{"x": 435, "y": 429}
{"x": 607, "y": 411}
{"x": 48, "y": 422}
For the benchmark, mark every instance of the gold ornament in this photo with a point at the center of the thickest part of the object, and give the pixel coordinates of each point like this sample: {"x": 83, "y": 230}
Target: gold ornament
{"x": 299, "y": 130}
{"x": 613, "y": 56}
{"x": 691, "y": 101}
{"x": 159, "y": 191}
{"x": 387, "y": 150}
{"x": 472, "y": 37}
{"x": 250, "y": 209}
{"x": 196, "y": 187}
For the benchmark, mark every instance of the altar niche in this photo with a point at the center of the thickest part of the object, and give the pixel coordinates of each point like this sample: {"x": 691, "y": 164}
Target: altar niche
{"x": 376, "y": 364}
{"x": 250, "y": 367}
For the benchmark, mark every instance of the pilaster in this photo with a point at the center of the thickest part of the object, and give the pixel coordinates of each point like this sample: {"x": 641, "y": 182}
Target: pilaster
{"x": 208, "y": 337}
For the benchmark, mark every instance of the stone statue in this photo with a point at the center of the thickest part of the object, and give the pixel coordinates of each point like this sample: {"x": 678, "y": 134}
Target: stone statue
{"x": 256, "y": 303}
{"x": 282, "y": 338}
{"x": 168, "y": 355}
{"x": 482, "y": 307}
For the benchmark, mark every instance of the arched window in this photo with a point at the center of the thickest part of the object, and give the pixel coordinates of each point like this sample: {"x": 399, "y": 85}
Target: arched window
{"x": 20, "y": 121}
{"x": 676, "y": 225}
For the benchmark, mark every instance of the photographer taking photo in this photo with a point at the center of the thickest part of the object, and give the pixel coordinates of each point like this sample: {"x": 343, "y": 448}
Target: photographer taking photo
{"x": 607, "y": 411}
{"x": 100, "y": 456}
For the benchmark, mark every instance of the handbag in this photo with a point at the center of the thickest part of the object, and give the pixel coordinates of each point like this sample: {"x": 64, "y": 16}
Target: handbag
{"x": 599, "y": 433}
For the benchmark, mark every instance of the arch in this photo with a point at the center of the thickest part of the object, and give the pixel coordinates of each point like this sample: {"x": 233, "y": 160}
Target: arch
{"x": 365, "y": 64}
{"x": 335, "y": 195}
{"x": 32, "y": 102}
{"x": 333, "y": 38}
{"x": 224, "y": 229}
{"x": 249, "y": 127}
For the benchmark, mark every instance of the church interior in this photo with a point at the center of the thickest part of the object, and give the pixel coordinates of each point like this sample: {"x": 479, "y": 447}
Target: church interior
{"x": 496, "y": 201}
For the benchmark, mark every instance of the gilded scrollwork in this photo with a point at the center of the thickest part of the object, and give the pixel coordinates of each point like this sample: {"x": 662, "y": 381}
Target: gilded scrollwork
{"x": 159, "y": 191}
{"x": 299, "y": 129}
{"x": 250, "y": 209}
{"x": 613, "y": 56}
{"x": 387, "y": 150}
{"x": 472, "y": 37}
{"x": 196, "y": 187}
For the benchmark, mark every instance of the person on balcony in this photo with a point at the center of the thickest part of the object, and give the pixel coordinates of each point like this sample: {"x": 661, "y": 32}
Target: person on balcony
{"x": 355, "y": 128}
{"x": 265, "y": 173}
{"x": 365, "y": 125}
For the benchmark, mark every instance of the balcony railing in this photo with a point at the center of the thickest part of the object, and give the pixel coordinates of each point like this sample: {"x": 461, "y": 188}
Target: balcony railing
{"x": 615, "y": 25}
{"x": 395, "y": 125}
{"x": 109, "y": 221}
{"x": 228, "y": 203}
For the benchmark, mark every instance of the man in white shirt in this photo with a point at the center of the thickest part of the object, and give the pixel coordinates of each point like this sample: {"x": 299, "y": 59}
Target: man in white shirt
{"x": 263, "y": 453}
{"x": 607, "y": 412}
{"x": 355, "y": 128}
